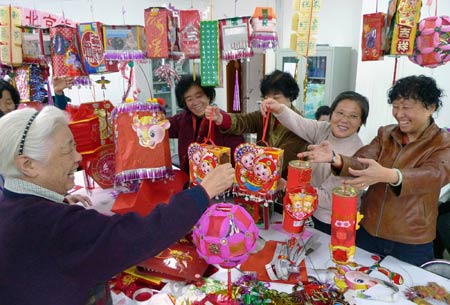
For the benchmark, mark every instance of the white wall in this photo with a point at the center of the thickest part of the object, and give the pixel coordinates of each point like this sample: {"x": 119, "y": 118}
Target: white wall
{"x": 373, "y": 79}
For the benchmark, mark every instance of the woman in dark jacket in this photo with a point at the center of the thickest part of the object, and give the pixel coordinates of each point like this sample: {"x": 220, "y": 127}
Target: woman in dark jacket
{"x": 190, "y": 125}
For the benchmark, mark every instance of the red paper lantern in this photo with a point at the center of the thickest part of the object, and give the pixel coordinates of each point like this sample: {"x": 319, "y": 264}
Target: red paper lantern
{"x": 225, "y": 235}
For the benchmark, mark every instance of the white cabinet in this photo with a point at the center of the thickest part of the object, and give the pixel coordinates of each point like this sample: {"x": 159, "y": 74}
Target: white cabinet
{"x": 328, "y": 75}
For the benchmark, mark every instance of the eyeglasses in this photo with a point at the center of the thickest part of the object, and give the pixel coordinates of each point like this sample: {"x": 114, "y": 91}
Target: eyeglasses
{"x": 351, "y": 117}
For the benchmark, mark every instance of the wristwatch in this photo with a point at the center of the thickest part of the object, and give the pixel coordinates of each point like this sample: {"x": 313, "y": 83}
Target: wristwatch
{"x": 333, "y": 158}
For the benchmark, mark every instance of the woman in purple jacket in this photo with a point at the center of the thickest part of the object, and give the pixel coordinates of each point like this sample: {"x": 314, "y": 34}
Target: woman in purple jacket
{"x": 190, "y": 125}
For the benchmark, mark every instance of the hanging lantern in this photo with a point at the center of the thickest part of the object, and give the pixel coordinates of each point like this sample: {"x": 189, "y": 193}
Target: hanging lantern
{"x": 225, "y": 235}
{"x": 264, "y": 35}
{"x": 142, "y": 143}
{"x": 432, "y": 44}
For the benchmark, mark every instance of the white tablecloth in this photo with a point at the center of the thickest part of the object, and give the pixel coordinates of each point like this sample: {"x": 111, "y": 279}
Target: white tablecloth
{"x": 317, "y": 262}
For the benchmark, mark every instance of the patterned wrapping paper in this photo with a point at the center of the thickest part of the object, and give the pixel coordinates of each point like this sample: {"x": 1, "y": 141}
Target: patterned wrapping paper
{"x": 203, "y": 158}
{"x": 401, "y": 24}
{"x": 189, "y": 33}
{"x": 91, "y": 46}
{"x": 31, "y": 82}
{"x": 372, "y": 36}
{"x": 235, "y": 38}
{"x": 10, "y": 36}
{"x": 141, "y": 137}
{"x": 124, "y": 42}
{"x": 66, "y": 58}
{"x": 160, "y": 32}
{"x": 209, "y": 53}
{"x": 305, "y": 26}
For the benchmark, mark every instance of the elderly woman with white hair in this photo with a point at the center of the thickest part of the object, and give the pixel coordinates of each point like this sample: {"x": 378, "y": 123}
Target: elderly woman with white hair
{"x": 56, "y": 254}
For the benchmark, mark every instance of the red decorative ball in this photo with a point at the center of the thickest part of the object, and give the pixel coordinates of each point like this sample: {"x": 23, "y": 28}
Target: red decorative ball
{"x": 225, "y": 234}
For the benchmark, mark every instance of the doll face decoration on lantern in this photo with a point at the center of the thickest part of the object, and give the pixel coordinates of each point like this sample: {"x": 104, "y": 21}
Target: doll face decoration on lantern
{"x": 149, "y": 130}
{"x": 261, "y": 175}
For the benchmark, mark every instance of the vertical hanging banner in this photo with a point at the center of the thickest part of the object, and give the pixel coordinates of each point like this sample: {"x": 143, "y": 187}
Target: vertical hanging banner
{"x": 372, "y": 36}
{"x": 10, "y": 36}
{"x": 189, "y": 33}
{"x": 209, "y": 53}
{"x": 161, "y": 33}
{"x": 401, "y": 26}
{"x": 305, "y": 25}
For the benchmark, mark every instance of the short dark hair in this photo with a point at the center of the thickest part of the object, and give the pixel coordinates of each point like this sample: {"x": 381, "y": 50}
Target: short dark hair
{"x": 4, "y": 85}
{"x": 322, "y": 110}
{"x": 185, "y": 83}
{"x": 362, "y": 101}
{"x": 422, "y": 88}
{"x": 280, "y": 82}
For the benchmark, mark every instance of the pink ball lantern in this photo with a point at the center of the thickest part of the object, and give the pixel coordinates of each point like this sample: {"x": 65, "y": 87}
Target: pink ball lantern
{"x": 225, "y": 234}
{"x": 432, "y": 44}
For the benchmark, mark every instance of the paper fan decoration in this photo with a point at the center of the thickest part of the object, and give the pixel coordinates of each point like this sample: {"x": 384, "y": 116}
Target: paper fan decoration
{"x": 432, "y": 44}
{"x": 225, "y": 234}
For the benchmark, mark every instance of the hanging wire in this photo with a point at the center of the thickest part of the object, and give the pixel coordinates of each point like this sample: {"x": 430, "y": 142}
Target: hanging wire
{"x": 146, "y": 80}
{"x": 91, "y": 7}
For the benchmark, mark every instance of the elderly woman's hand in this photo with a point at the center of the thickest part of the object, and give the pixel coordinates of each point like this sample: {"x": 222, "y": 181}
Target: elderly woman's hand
{"x": 74, "y": 199}
{"x": 270, "y": 104}
{"x": 213, "y": 113}
{"x": 218, "y": 180}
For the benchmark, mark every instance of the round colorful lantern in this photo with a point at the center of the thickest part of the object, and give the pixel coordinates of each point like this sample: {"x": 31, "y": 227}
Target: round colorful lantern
{"x": 432, "y": 44}
{"x": 298, "y": 204}
{"x": 225, "y": 234}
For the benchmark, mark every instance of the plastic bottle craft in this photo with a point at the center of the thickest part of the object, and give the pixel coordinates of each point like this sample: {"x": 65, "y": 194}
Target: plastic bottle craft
{"x": 432, "y": 44}
{"x": 344, "y": 223}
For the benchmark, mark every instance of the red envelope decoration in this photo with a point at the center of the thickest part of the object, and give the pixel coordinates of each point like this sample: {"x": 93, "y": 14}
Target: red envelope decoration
{"x": 150, "y": 194}
{"x": 179, "y": 262}
{"x": 372, "y": 36}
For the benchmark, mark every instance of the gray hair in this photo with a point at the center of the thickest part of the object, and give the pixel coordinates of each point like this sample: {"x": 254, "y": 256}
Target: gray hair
{"x": 38, "y": 140}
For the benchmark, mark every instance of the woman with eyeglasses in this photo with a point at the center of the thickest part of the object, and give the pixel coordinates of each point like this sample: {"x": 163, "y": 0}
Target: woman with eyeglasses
{"x": 349, "y": 112}
{"x": 404, "y": 167}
